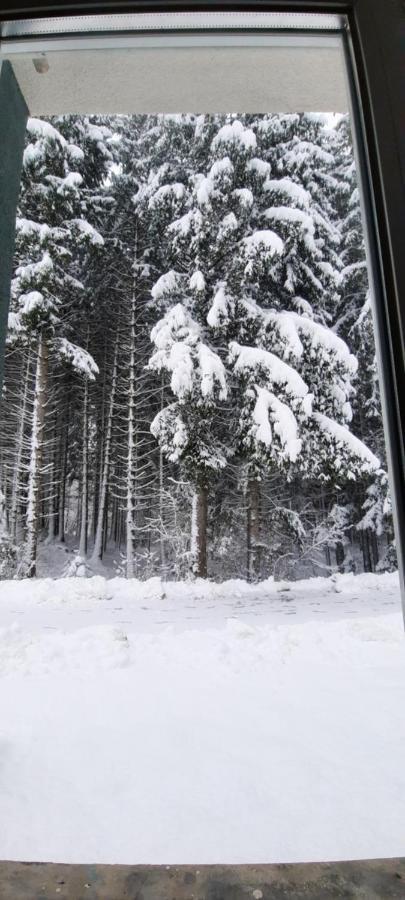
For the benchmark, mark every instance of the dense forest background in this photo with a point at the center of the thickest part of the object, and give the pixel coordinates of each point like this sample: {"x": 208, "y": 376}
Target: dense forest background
{"x": 190, "y": 377}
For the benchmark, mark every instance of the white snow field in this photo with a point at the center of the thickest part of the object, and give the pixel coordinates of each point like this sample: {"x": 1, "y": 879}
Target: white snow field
{"x": 201, "y": 723}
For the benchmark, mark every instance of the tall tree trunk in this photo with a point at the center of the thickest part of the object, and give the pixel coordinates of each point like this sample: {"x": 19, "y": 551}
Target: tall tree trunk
{"x": 162, "y": 544}
{"x": 131, "y": 462}
{"x": 199, "y": 521}
{"x": 15, "y": 492}
{"x": 115, "y": 521}
{"x": 374, "y": 549}
{"x": 253, "y": 530}
{"x": 102, "y": 507}
{"x": 106, "y": 514}
{"x": 35, "y": 465}
{"x": 97, "y": 480}
{"x": 85, "y": 490}
{"x": 52, "y": 484}
{"x": 100, "y": 447}
{"x": 366, "y": 551}
{"x": 62, "y": 491}
{"x": 161, "y": 502}
{"x": 328, "y": 557}
{"x": 340, "y": 556}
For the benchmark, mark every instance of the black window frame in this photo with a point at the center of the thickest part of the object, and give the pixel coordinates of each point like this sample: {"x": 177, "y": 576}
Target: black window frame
{"x": 376, "y": 68}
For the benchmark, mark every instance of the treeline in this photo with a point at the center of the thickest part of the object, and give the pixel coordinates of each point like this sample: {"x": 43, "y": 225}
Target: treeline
{"x": 190, "y": 377}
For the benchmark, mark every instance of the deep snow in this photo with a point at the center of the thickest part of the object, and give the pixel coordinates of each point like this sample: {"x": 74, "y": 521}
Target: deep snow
{"x": 201, "y": 723}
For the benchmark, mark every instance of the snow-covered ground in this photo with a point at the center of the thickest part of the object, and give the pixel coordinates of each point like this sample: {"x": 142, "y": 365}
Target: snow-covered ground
{"x": 201, "y": 723}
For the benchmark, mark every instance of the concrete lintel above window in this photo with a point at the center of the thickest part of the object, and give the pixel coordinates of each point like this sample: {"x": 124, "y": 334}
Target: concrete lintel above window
{"x": 179, "y": 72}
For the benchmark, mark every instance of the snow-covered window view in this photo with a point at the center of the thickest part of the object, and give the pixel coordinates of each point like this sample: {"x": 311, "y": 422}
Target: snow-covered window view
{"x": 201, "y": 645}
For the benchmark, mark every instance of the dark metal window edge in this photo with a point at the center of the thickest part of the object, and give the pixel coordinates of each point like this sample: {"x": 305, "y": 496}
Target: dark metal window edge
{"x": 387, "y": 274}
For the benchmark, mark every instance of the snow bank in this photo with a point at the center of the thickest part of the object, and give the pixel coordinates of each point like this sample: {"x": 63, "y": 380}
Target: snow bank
{"x": 238, "y": 723}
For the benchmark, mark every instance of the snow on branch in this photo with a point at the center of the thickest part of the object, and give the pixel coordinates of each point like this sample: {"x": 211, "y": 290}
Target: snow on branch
{"x": 319, "y": 336}
{"x": 259, "y": 166}
{"x": 169, "y": 429}
{"x": 81, "y": 361}
{"x": 41, "y": 268}
{"x": 295, "y": 192}
{"x": 33, "y": 301}
{"x": 28, "y": 228}
{"x": 286, "y": 214}
{"x": 265, "y": 241}
{"x": 71, "y": 182}
{"x": 244, "y": 196}
{"x": 364, "y": 313}
{"x": 323, "y": 337}
{"x": 269, "y": 407}
{"x": 285, "y": 327}
{"x": 75, "y": 152}
{"x": 197, "y": 281}
{"x": 176, "y": 324}
{"x": 14, "y": 326}
{"x": 207, "y": 185}
{"x": 166, "y": 284}
{"x": 305, "y": 152}
{"x": 180, "y": 350}
{"x": 254, "y": 359}
{"x": 41, "y": 129}
{"x": 237, "y": 134}
{"x": 88, "y": 232}
{"x": 222, "y": 306}
{"x": 190, "y": 221}
{"x": 341, "y": 435}
{"x": 167, "y": 192}
{"x": 212, "y": 372}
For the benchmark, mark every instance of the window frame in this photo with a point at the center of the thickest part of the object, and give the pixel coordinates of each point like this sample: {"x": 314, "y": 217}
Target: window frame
{"x": 377, "y": 86}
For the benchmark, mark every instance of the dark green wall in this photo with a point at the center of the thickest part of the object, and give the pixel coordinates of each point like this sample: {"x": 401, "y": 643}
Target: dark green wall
{"x": 13, "y": 118}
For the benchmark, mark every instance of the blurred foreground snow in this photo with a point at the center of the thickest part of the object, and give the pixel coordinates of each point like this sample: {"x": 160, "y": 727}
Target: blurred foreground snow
{"x": 201, "y": 723}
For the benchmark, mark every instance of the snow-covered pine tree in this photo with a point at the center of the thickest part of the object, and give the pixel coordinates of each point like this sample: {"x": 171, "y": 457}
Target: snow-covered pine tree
{"x": 223, "y": 237}
{"x": 290, "y": 374}
{"x": 126, "y": 483}
{"x": 354, "y": 322}
{"x": 202, "y": 235}
{"x": 298, "y": 200}
{"x": 285, "y": 280}
{"x": 50, "y": 231}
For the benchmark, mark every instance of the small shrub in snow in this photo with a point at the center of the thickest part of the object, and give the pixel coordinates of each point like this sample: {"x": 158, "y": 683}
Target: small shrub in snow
{"x": 8, "y": 557}
{"x": 77, "y": 568}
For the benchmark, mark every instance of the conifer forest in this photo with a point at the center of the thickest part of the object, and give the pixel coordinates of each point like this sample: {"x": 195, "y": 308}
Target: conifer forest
{"x": 190, "y": 381}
